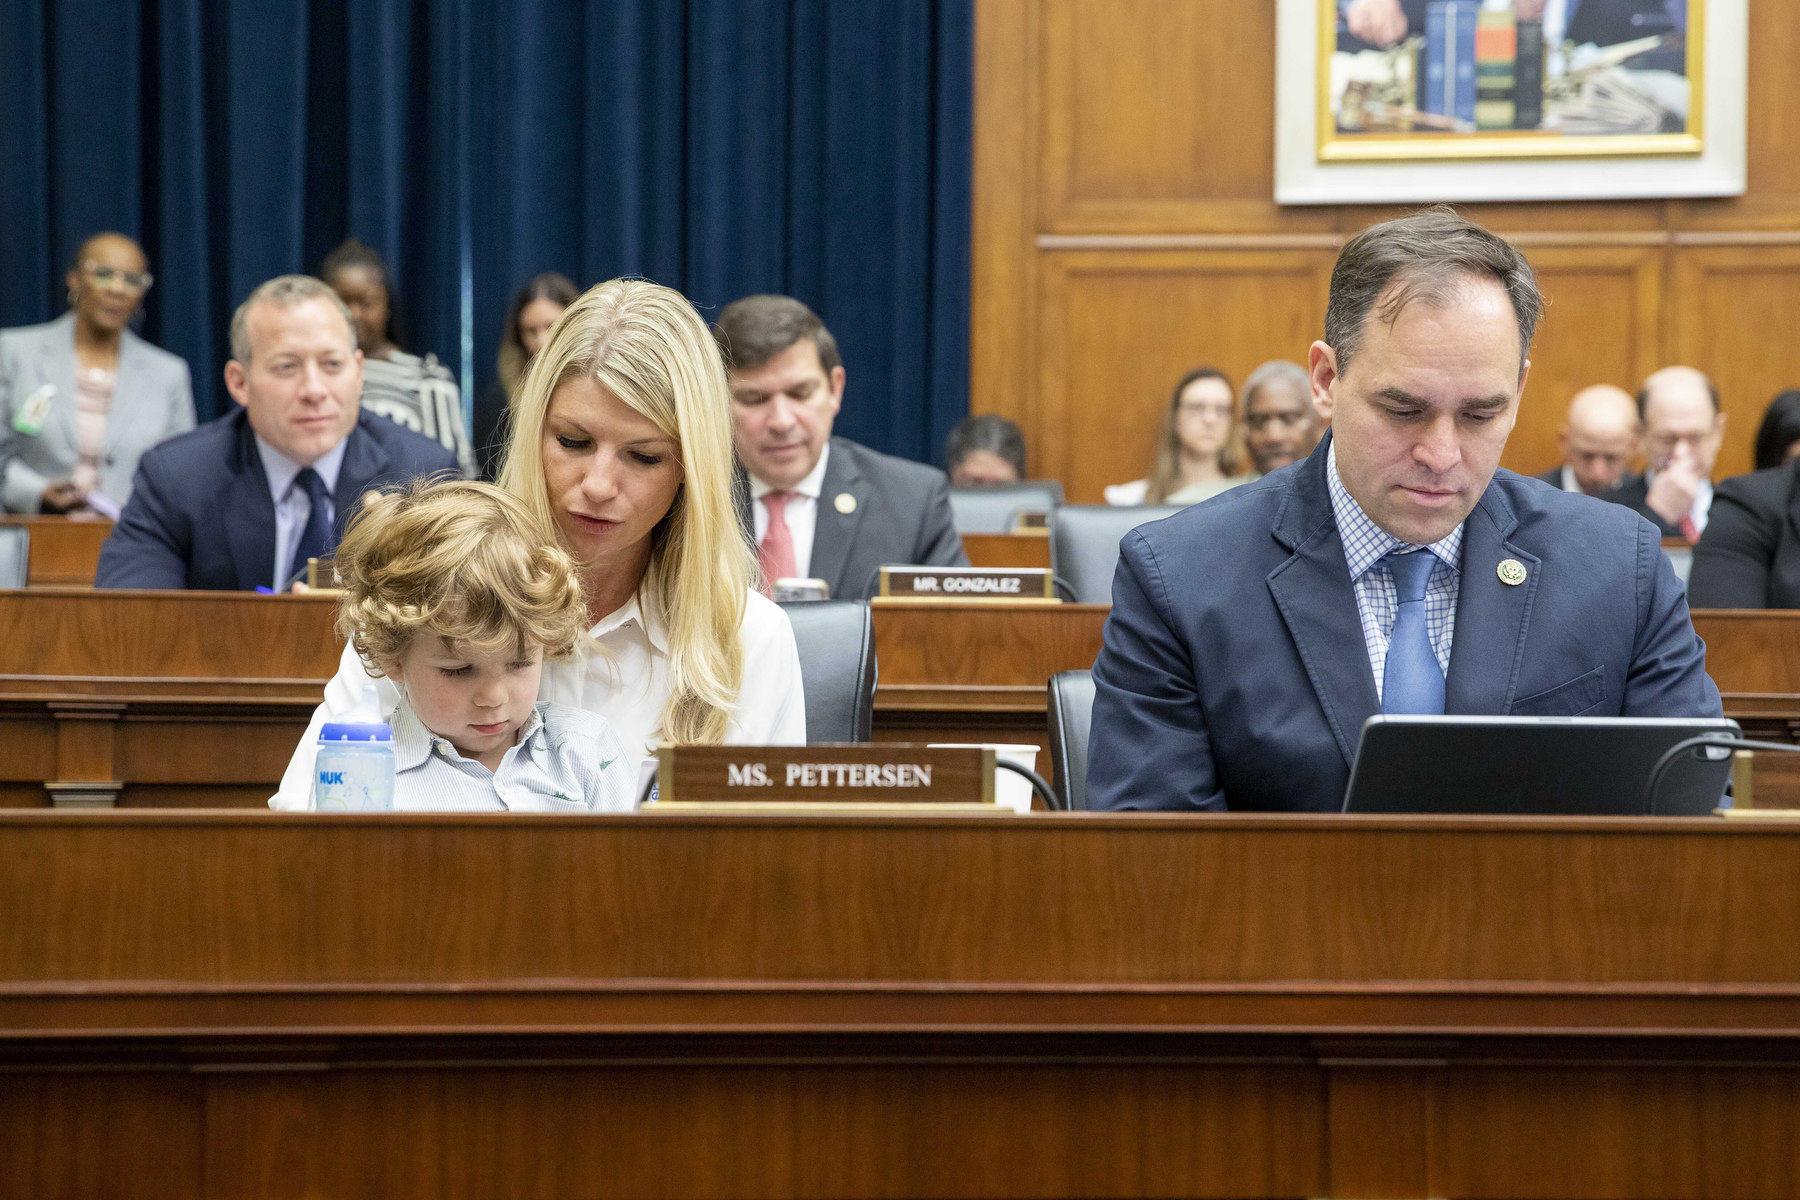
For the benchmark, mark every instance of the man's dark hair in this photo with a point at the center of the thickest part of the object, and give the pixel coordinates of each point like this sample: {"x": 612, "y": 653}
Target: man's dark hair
{"x": 997, "y": 435}
{"x": 1780, "y": 429}
{"x": 755, "y": 329}
{"x": 1423, "y": 257}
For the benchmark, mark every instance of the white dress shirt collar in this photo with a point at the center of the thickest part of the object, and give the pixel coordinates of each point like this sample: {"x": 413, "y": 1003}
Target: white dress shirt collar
{"x": 644, "y": 609}
{"x": 810, "y": 487}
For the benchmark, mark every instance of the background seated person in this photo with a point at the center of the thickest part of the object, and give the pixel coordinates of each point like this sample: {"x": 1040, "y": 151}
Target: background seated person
{"x": 1395, "y": 570}
{"x": 83, "y": 397}
{"x": 1281, "y": 425}
{"x": 819, "y": 506}
{"x": 1683, "y": 429}
{"x": 534, "y": 309}
{"x": 985, "y": 451}
{"x": 1778, "y": 434}
{"x": 1198, "y": 454}
{"x": 621, "y": 439}
{"x": 242, "y": 502}
{"x": 1750, "y": 555}
{"x": 1599, "y": 438}
{"x": 414, "y": 393}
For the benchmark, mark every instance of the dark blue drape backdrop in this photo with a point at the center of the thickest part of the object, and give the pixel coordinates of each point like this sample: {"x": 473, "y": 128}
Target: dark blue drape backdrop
{"x": 815, "y": 147}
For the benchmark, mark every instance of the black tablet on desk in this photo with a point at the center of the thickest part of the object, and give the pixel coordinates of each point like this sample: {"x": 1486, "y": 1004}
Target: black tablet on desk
{"x": 1535, "y": 766}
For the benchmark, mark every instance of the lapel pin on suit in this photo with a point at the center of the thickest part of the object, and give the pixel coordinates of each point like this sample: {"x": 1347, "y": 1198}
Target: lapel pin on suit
{"x": 844, "y": 503}
{"x": 1511, "y": 572}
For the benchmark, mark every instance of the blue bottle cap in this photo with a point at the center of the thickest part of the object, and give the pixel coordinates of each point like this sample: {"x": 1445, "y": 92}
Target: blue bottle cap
{"x": 356, "y": 731}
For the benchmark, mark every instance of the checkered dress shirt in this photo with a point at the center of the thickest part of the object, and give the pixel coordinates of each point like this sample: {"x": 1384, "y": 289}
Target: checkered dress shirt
{"x": 1366, "y": 546}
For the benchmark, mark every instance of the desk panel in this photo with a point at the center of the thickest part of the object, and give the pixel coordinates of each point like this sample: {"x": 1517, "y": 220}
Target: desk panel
{"x": 65, "y": 551}
{"x": 688, "y": 1005}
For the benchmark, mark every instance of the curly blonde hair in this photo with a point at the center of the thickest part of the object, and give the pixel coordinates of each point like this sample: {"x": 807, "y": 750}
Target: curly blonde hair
{"x": 464, "y": 561}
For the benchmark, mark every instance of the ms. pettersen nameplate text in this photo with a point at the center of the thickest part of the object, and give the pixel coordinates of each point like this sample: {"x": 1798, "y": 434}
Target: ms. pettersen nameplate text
{"x": 882, "y": 773}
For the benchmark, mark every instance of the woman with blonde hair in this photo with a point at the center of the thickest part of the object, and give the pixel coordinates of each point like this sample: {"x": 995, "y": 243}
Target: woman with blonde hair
{"x": 1199, "y": 446}
{"x": 621, "y": 441}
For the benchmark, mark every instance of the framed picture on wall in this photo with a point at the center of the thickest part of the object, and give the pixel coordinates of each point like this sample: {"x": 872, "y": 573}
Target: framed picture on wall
{"x": 1381, "y": 101}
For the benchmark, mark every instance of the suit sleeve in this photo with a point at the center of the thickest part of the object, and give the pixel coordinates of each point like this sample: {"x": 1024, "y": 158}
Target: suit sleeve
{"x": 1148, "y": 746}
{"x": 21, "y": 487}
{"x": 1668, "y": 675}
{"x": 1735, "y": 555}
{"x": 151, "y": 544}
{"x": 939, "y": 543}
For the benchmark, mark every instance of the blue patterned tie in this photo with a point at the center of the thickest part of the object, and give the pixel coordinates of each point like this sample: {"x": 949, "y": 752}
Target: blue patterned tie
{"x": 315, "y": 539}
{"x": 1411, "y": 682}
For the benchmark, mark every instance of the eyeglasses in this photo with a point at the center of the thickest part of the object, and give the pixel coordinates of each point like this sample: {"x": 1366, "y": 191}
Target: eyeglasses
{"x": 131, "y": 281}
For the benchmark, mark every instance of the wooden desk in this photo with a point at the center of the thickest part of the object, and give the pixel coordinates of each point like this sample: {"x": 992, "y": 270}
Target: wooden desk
{"x": 157, "y": 697}
{"x": 262, "y": 1005}
{"x": 64, "y": 550}
{"x": 1008, "y": 549}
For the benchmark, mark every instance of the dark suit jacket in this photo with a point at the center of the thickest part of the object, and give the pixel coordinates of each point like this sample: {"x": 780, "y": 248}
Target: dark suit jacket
{"x": 200, "y": 515}
{"x": 1633, "y": 492}
{"x": 902, "y": 516}
{"x": 1553, "y": 476}
{"x": 1749, "y": 556}
{"x": 1233, "y": 672}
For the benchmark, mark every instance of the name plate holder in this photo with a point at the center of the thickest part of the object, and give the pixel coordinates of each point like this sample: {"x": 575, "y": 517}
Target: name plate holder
{"x": 886, "y": 776}
{"x": 990, "y": 585}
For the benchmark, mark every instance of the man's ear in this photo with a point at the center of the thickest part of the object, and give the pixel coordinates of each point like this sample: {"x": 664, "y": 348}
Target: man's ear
{"x": 237, "y": 382}
{"x": 836, "y": 379}
{"x": 1322, "y": 371}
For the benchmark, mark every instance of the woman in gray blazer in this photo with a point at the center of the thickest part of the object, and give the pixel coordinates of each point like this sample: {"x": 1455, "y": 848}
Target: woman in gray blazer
{"x": 82, "y": 397}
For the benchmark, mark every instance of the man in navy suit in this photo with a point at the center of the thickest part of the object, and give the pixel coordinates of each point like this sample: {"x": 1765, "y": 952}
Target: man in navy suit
{"x": 1394, "y": 570}
{"x": 244, "y": 501}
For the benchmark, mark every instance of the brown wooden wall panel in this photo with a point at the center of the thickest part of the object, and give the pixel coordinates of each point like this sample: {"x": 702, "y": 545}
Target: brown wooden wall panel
{"x": 1120, "y": 328}
{"x": 1601, "y": 325}
{"x": 1144, "y": 130}
{"x": 1734, "y": 312}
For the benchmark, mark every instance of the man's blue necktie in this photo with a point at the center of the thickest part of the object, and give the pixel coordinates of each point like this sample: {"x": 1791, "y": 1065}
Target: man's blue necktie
{"x": 315, "y": 539}
{"x": 1411, "y": 682}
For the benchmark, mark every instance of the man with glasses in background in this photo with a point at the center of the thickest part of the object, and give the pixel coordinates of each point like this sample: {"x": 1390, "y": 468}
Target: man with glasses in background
{"x": 1683, "y": 429}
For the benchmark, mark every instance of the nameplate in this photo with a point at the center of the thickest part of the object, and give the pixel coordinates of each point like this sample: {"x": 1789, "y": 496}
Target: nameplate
{"x": 876, "y": 773}
{"x": 787, "y": 590}
{"x": 1031, "y": 520}
{"x": 967, "y": 583}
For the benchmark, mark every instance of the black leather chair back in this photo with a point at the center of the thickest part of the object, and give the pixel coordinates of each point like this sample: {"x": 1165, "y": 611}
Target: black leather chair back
{"x": 15, "y": 555}
{"x": 991, "y": 509}
{"x": 836, "y": 640}
{"x": 1071, "y": 714}
{"x": 1084, "y": 544}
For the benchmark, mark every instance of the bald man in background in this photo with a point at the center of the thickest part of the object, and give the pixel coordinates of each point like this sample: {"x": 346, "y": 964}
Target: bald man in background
{"x": 1599, "y": 438}
{"x": 1683, "y": 430}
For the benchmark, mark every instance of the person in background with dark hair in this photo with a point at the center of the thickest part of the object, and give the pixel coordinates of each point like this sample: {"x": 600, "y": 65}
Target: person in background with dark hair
{"x": 986, "y": 451}
{"x": 1749, "y": 556}
{"x": 818, "y": 506}
{"x": 415, "y": 393}
{"x": 1778, "y": 436}
{"x": 534, "y": 309}
{"x": 1396, "y": 570}
{"x": 1199, "y": 446}
{"x": 83, "y": 397}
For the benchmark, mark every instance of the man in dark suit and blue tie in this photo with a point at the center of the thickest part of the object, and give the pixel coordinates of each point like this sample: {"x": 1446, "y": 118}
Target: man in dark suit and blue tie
{"x": 244, "y": 501}
{"x": 1395, "y": 570}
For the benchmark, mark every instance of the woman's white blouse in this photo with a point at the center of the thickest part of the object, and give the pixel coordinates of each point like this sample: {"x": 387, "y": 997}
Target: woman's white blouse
{"x": 625, "y": 679}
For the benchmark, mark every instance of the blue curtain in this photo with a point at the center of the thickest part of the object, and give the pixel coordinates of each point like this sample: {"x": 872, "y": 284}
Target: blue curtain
{"x": 815, "y": 147}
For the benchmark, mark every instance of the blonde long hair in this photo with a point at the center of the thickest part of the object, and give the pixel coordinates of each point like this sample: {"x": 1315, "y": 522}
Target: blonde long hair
{"x": 1165, "y": 476}
{"x": 645, "y": 344}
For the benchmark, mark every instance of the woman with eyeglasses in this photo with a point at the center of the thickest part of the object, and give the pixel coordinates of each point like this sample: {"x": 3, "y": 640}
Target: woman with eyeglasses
{"x": 1199, "y": 447}
{"x": 83, "y": 397}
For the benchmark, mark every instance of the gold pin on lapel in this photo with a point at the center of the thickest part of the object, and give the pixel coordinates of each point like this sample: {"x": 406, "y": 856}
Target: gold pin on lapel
{"x": 1511, "y": 572}
{"x": 845, "y": 503}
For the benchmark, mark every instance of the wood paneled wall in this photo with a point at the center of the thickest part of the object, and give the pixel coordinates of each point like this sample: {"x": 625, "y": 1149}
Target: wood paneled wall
{"x": 1125, "y": 230}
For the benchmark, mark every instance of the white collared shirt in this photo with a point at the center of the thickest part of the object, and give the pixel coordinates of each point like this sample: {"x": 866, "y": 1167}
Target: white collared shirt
{"x": 1366, "y": 546}
{"x": 1569, "y": 482}
{"x": 292, "y": 506}
{"x": 801, "y": 513}
{"x": 1703, "y": 494}
{"x": 623, "y": 676}
{"x": 565, "y": 760}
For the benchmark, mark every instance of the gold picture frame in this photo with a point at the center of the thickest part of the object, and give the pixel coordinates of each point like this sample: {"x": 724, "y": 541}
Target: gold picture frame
{"x": 1411, "y": 145}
